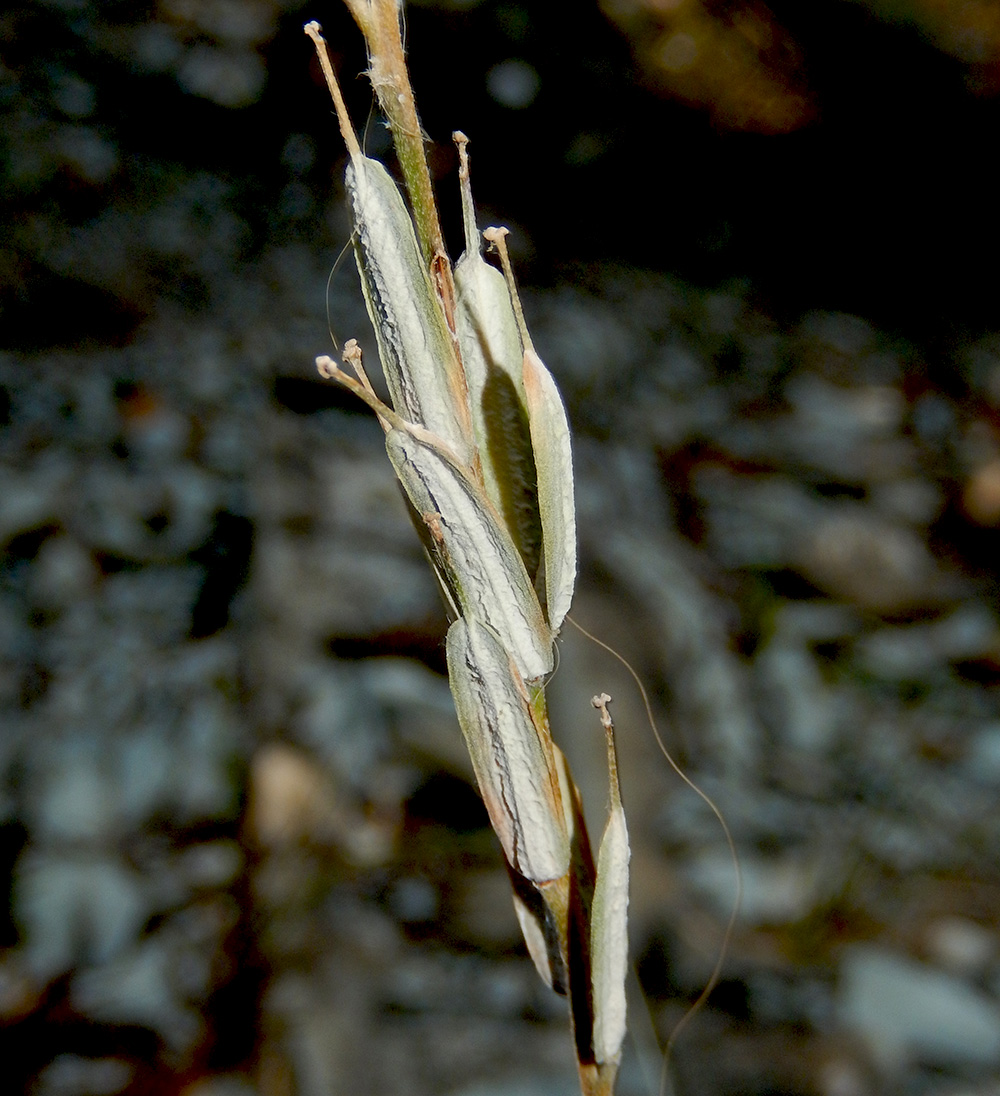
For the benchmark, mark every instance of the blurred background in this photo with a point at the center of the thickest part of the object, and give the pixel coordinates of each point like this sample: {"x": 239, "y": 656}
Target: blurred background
{"x": 240, "y": 847}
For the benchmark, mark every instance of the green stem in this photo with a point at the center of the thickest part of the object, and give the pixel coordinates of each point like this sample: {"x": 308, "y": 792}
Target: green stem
{"x": 381, "y": 27}
{"x": 379, "y": 21}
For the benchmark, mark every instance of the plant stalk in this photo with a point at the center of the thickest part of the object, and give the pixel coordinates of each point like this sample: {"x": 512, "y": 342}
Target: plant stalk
{"x": 379, "y": 20}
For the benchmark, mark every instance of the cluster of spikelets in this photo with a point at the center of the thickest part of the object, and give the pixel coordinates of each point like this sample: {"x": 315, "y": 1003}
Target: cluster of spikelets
{"x": 478, "y": 437}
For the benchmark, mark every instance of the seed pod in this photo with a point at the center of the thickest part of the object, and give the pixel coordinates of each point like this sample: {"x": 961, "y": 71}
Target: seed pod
{"x": 553, "y": 459}
{"x": 415, "y": 346}
{"x": 491, "y": 353}
{"x": 550, "y": 442}
{"x": 609, "y": 915}
{"x": 541, "y": 910}
{"x": 473, "y": 550}
{"x": 512, "y": 757}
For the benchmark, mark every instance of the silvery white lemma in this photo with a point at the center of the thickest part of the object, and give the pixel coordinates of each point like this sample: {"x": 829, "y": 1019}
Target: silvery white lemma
{"x": 479, "y": 439}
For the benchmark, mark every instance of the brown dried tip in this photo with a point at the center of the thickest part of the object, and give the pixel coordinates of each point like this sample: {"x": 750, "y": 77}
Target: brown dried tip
{"x": 601, "y": 704}
{"x": 495, "y": 236}
{"x": 315, "y": 32}
{"x": 352, "y": 357}
{"x": 463, "y": 156}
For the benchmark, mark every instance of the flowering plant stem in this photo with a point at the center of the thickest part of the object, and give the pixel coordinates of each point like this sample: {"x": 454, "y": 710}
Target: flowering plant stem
{"x": 379, "y": 22}
{"x": 479, "y": 439}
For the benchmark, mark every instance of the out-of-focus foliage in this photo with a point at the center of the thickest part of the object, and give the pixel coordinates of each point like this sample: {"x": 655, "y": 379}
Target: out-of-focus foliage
{"x": 740, "y": 64}
{"x": 736, "y": 60}
{"x": 968, "y": 30}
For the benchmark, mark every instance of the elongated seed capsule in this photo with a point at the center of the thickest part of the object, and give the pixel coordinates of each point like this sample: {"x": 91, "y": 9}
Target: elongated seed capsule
{"x": 416, "y": 349}
{"x": 609, "y": 914}
{"x": 418, "y": 355}
{"x": 474, "y": 550}
{"x": 491, "y": 353}
{"x": 512, "y": 758}
{"x": 550, "y": 441}
{"x": 537, "y": 915}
